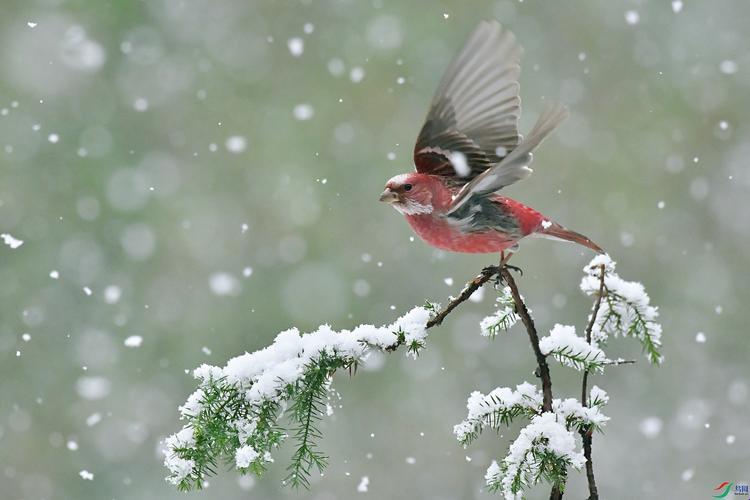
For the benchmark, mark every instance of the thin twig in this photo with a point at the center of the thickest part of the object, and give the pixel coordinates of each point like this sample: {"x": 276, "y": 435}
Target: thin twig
{"x": 587, "y": 434}
{"x": 541, "y": 359}
{"x": 472, "y": 286}
{"x": 617, "y": 362}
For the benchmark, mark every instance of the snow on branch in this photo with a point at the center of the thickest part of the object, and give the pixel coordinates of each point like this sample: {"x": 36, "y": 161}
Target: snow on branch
{"x": 625, "y": 308}
{"x": 571, "y": 350}
{"x": 497, "y": 408}
{"x": 580, "y": 417}
{"x": 544, "y": 450}
{"x": 236, "y": 412}
{"x": 503, "y": 319}
{"x": 242, "y": 413}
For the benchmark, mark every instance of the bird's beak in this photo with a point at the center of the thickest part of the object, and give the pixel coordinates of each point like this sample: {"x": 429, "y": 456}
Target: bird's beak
{"x": 389, "y": 196}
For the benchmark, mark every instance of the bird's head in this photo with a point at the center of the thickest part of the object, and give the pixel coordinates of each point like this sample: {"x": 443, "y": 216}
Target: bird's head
{"x": 411, "y": 194}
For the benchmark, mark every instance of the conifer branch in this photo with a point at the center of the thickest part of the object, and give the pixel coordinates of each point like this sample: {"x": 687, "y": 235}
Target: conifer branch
{"x": 243, "y": 412}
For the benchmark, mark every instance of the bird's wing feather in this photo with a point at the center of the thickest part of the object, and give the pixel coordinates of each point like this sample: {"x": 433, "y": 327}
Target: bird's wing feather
{"x": 475, "y": 108}
{"x": 515, "y": 166}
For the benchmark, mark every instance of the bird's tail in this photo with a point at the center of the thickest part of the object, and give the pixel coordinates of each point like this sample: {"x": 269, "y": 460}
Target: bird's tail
{"x": 556, "y": 231}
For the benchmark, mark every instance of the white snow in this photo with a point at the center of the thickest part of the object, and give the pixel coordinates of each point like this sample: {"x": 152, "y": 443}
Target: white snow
{"x": 544, "y": 433}
{"x": 632, "y": 17}
{"x": 86, "y": 475}
{"x": 54, "y": 274}
{"x": 93, "y": 419}
{"x": 179, "y": 467}
{"x": 236, "y": 144}
{"x": 303, "y": 112}
{"x": 676, "y": 6}
{"x": 357, "y": 74}
{"x": 93, "y": 388}
{"x": 493, "y": 474}
{"x": 460, "y": 164}
{"x": 112, "y": 294}
{"x": 700, "y": 337}
{"x": 598, "y": 396}
{"x": 244, "y": 456}
{"x": 728, "y": 67}
{"x": 80, "y": 52}
{"x": 363, "y": 484}
{"x": 627, "y": 300}
{"x": 503, "y": 318}
{"x": 140, "y": 104}
{"x": 501, "y": 399}
{"x": 296, "y": 46}
{"x": 651, "y": 427}
{"x": 222, "y": 283}
{"x": 9, "y": 240}
{"x": 53, "y": 138}
{"x": 572, "y": 410}
{"x": 266, "y": 373}
{"x": 478, "y": 295}
{"x": 133, "y": 341}
{"x": 564, "y": 344}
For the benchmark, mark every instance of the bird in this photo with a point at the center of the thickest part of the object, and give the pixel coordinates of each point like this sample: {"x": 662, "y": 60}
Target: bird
{"x": 469, "y": 149}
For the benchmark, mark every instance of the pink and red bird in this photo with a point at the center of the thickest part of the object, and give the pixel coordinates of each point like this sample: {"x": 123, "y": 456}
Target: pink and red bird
{"x": 469, "y": 149}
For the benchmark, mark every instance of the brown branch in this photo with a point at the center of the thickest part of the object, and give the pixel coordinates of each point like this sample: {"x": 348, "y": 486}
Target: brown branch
{"x": 472, "y": 286}
{"x": 541, "y": 359}
{"x": 587, "y": 435}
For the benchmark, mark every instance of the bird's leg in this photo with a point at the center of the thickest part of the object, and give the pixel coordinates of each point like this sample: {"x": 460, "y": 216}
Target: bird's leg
{"x": 499, "y": 279}
{"x": 504, "y": 258}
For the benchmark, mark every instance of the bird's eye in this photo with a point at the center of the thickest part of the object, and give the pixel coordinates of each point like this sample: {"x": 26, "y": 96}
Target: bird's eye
{"x": 407, "y": 187}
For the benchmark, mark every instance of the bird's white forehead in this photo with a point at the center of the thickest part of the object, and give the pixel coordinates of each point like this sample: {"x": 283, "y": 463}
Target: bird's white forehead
{"x": 398, "y": 179}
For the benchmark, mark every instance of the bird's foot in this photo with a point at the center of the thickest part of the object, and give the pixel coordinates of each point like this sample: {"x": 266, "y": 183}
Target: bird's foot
{"x": 514, "y": 268}
{"x": 500, "y": 281}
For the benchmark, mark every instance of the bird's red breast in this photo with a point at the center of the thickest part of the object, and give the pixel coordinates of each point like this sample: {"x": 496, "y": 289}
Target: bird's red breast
{"x": 439, "y": 233}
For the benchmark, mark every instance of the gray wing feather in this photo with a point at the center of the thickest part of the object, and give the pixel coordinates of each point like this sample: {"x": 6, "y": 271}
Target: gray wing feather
{"x": 477, "y": 98}
{"x": 515, "y": 166}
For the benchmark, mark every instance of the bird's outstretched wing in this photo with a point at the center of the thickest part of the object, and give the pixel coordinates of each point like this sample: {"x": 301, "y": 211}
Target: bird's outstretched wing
{"x": 473, "y": 119}
{"x": 515, "y": 166}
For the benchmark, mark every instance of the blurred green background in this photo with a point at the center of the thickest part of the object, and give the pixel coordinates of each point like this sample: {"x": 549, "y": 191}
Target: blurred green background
{"x": 205, "y": 175}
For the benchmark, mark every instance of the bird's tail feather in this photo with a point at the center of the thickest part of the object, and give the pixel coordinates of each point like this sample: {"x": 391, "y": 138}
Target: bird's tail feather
{"x": 558, "y": 232}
